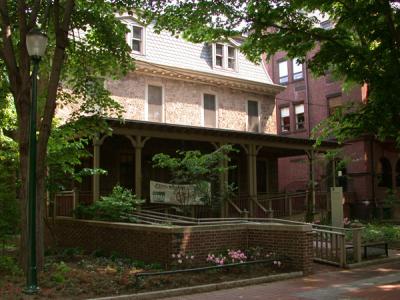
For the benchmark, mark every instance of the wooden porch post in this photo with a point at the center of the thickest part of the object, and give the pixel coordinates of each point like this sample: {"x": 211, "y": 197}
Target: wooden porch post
{"x": 96, "y": 165}
{"x": 138, "y": 143}
{"x": 252, "y": 176}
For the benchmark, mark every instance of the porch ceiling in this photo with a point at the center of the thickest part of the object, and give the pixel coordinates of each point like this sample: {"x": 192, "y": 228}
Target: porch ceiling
{"x": 279, "y": 146}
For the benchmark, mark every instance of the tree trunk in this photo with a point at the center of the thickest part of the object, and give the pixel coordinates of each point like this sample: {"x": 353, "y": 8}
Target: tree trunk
{"x": 23, "y": 143}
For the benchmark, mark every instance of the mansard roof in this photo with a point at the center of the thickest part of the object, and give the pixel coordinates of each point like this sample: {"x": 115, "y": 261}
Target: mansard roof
{"x": 174, "y": 52}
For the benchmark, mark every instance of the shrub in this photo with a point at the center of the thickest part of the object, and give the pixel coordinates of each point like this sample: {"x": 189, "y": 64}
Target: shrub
{"x": 117, "y": 207}
{"x": 8, "y": 265}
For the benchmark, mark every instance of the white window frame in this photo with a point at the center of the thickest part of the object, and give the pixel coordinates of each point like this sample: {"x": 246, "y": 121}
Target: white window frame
{"x": 132, "y": 24}
{"x": 146, "y": 104}
{"x": 279, "y": 72}
{"x": 259, "y": 114}
{"x": 300, "y": 74}
{"x": 235, "y": 57}
{"x": 281, "y": 119}
{"x": 202, "y": 109}
{"x": 296, "y": 114}
{"x": 225, "y": 53}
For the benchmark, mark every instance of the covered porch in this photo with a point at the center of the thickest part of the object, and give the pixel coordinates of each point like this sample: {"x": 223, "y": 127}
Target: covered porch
{"x": 127, "y": 154}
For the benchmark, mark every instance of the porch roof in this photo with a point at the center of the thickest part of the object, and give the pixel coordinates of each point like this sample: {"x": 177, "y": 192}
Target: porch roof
{"x": 281, "y": 146}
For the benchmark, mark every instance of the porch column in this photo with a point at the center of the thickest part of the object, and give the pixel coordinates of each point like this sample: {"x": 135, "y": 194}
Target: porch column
{"x": 252, "y": 175}
{"x": 138, "y": 143}
{"x": 96, "y": 165}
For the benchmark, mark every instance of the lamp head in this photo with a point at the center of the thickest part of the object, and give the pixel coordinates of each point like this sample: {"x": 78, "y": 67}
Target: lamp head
{"x": 36, "y": 43}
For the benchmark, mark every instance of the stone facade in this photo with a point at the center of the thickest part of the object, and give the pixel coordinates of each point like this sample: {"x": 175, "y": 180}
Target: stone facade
{"x": 183, "y": 102}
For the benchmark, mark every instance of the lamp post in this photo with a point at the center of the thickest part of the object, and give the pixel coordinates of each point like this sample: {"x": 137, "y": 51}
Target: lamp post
{"x": 36, "y": 43}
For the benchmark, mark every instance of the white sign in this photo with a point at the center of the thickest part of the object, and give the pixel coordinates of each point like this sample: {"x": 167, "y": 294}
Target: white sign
{"x": 178, "y": 194}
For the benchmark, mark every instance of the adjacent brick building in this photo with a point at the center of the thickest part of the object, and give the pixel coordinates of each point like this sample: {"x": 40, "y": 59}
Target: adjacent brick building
{"x": 372, "y": 168}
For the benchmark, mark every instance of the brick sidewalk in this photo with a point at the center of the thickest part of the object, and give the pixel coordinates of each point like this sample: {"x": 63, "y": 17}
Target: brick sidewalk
{"x": 380, "y": 282}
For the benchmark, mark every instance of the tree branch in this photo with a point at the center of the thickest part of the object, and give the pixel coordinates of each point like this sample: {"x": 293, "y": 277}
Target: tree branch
{"x": 34, "y": 14}
{"x": 7, "y": 51}
{"x": 57, "y": 62}
{"x": 24, "y": 60}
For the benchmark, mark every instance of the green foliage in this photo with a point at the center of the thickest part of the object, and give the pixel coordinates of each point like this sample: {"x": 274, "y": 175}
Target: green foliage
{"x": 60, "y": 273}
{"x": 198, "y": 169}
{"x": 68, "y": 146}
{"x": 381, "y": 232}
{"x": 9, "y": 212}
{"x": 362, "y": 47}
{"x": 8, "y": 265}
{"x": 117, "y": 207}
{"x": 390, "y": 198}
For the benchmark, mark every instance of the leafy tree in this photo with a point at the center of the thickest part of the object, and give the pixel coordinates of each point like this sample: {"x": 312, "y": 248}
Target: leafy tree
{"x": 116, "y": 207}
{"x": 9, "y": 212}
{"x": 68, "y": 146}
{"x": 198, "y": 169}
{"x": 363, "y": 46}
{"x": 73, "y": 71}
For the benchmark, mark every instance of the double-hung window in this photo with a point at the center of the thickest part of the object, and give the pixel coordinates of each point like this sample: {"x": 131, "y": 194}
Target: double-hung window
{"x": 253, "y": 120}
{"x": 283, "y": 72}
{"x": 137, "y": 39}
{"x": 219, "y": 55}
{"x": 285, "y": 119}
{"x": 299, "y": 113}
{"x": 297, "y": 69}
{"x": 224, "y": 57}
{"x": 210, "y": 110}
{"x": 231, "y": 58}
{"x": 154, "y": 103}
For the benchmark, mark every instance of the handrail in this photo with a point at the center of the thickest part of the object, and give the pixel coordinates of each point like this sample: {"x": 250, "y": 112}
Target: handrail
{"x": 327, "y": 231}
{"x": 260, "y": 206}
{"x": 167, "y": 215}
{"x": 235, "y": 206}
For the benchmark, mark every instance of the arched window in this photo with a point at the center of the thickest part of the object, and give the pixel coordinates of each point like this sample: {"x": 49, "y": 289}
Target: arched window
{"x": 398, "y": 173}
{"x": 385, "y": 173}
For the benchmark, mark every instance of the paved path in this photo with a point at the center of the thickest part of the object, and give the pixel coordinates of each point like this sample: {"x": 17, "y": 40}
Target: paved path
{"x": 375, "y": 283}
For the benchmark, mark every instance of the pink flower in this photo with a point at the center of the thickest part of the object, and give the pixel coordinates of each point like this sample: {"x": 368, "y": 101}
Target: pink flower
{"x": 192, "y": 257}
{"x": 178, "y": 255}
{"x": 180, "y": 261}
{"x": 173, "y": 255}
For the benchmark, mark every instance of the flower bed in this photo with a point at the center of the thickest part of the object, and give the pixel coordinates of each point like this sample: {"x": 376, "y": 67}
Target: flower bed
{"x": 73, "y": 275}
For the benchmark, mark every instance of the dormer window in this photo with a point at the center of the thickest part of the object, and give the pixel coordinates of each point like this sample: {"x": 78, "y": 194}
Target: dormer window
{"x": 137, "y": 39}
{"x": 219, "y": 55}
{"x": 231, "y": 58}
{"x": 224, "y": 57}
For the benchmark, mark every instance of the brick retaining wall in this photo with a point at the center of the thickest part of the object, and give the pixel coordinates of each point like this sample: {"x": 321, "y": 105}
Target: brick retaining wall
{"x": 157, "y": 243}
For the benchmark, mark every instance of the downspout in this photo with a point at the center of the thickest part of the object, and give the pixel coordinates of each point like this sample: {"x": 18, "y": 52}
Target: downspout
{"x": 372, "y": 170}
{"x": 307, "y": 98}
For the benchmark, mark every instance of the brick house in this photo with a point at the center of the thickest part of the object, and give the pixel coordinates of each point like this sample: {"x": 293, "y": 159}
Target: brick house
{"x": 373, "y": 167}
{"x": 191, "y": 96}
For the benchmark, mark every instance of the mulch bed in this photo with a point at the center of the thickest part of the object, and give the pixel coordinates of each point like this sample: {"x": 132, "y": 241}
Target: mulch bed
{"x": 87, "y": 276}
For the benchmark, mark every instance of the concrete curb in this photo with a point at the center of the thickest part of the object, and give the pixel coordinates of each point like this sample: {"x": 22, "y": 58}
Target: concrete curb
{"x": 204, "y": 288}
{"x": 372, "y": 262}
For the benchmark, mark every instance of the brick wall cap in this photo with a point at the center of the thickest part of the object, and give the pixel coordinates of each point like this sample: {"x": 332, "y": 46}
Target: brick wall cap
{"x": 195, "y": 228}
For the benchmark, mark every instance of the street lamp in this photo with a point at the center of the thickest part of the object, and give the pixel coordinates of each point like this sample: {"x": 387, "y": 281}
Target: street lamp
{"x": 36, "y": 43}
